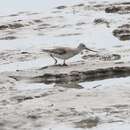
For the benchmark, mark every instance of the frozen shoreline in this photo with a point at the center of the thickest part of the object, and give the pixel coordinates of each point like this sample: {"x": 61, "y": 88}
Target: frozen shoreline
{"x": 27, "y": 103}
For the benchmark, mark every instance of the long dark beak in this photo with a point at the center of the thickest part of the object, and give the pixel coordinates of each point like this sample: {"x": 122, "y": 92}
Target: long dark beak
{"x": 90, "y": 50}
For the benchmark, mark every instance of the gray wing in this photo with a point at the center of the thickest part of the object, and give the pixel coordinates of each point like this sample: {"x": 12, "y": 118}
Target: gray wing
{"x": 59, "y": 51}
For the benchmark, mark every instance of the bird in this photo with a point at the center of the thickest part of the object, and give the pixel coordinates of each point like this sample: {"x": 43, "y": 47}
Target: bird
{"x": 65, "y": 53}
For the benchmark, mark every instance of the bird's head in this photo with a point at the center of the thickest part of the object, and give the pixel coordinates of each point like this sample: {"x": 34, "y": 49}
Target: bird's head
{"x": 82, "y": 46}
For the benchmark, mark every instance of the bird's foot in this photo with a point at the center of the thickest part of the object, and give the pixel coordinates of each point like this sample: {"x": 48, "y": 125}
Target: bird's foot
{"x": 64, "y": 64}
{"x": 57, "y": 65}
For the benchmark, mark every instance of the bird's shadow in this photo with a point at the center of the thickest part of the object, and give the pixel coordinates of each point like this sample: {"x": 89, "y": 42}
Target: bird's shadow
{"x": 63, "y": 65}
{"x": 52, "y": 66}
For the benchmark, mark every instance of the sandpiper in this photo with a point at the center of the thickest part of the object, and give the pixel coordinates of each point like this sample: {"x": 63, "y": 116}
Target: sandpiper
{"x": 65, "y": 52}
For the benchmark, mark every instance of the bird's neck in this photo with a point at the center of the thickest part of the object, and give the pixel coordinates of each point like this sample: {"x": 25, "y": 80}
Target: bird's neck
{"x": 79, "y": 50}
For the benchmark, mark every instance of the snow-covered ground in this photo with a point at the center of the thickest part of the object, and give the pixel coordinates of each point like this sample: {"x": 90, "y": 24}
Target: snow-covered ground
{"x": 27, "y": 27}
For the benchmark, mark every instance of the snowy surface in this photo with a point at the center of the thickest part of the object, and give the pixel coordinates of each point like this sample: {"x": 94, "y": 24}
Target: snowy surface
{"x": 39, "y": 106}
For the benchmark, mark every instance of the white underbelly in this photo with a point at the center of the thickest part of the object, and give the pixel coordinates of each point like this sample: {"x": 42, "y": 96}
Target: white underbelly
{"x": 65, "y": 56}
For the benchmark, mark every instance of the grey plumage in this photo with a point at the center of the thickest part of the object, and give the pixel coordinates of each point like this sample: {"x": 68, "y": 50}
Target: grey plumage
{"x": 65, "y": 52}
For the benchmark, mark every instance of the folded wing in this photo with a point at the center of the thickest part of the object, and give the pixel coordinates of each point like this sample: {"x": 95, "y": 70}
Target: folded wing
{"x": 59, "y": 51}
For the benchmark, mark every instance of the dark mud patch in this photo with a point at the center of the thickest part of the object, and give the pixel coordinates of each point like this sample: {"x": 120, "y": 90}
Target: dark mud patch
{"x": 23, "y": 98}
{"x": 11, "y": 56}
{"x": 79, "y": 76}
{"x": 15, "y": 26}
{"x": 8, "y": 38}
{"x": 121, "y": 8}
{"x": 113, "y": 9}
{"x": 2, "y": 124}
{"x": 37, "y": 20}
{"x": 66, "y": 26}
{"x": 11, "y": 26}
{"x": 50, "y": 78}
{"x": 101, "y": 21}
{"x": 69, "y": 34}
{"x": 69, "y": 85}
{"x": 20, "y": 99}
{"x": 33, "y": 117}
{"x": 122, "y": 32}
{"x": 13, "y": 15}
{"x": 125, "y": 37}
{"x": 80, "y": 5}
{"x": 124, "y": 3}
{"x": 2, "y": 27}
{"x": 87, "y": 123}
{"x": 111, "y": 57}
{"x": 42, "y": 26}
{"x": 111, "y": 111}
{"x": 61, "y": 7}
{"x": 33, "y": 13}
{"x": 121, "y": 106}
{"x": 80, "y": 23}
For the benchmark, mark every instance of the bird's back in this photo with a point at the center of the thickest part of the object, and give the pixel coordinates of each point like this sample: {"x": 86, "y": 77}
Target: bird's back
{"x": 62, "y": 52}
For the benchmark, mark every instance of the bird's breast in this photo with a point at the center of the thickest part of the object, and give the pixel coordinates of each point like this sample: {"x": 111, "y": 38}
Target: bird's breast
{"x": 66, "y": 55}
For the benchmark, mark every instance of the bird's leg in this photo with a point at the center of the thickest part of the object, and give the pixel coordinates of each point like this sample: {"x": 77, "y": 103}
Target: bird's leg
{"x": 54, "y": 59}
{"x": 64, "y": 63}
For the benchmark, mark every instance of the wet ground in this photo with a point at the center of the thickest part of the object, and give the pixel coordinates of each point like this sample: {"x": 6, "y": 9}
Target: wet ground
{"x": 92, "y": 92}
